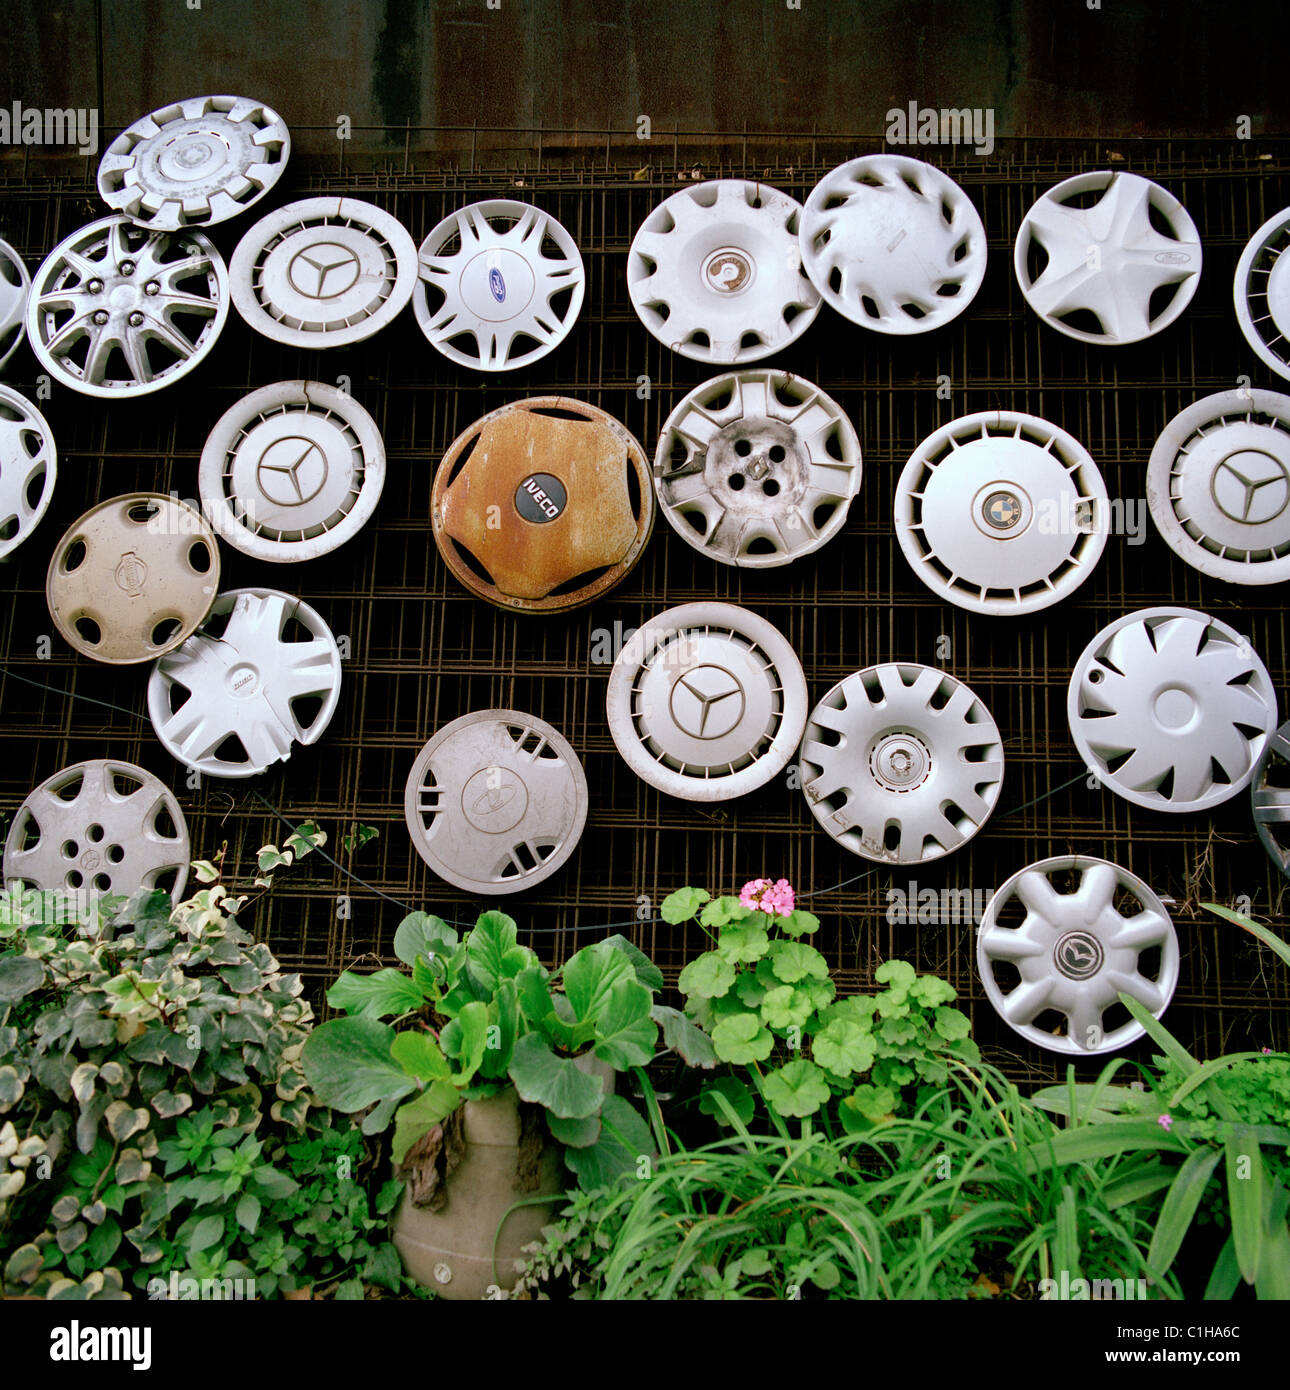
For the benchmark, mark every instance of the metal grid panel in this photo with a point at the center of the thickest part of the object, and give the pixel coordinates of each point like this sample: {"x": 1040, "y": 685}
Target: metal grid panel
{"x": 421, "y": 652}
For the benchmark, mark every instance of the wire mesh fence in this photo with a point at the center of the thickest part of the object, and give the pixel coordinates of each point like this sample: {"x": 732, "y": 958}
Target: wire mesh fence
{"x": 421, "y": 651}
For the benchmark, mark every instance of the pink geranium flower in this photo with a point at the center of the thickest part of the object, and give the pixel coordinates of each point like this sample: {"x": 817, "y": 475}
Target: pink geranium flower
{"x": 764, "y": 896}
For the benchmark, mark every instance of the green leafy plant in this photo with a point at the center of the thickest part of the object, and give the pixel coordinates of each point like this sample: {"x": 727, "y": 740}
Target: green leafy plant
{"x": 476, "y": 1013}
{"x": 766, "y": 996}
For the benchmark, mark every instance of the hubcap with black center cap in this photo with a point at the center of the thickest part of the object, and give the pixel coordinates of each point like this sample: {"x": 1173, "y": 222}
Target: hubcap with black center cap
{"x": 901, "y": 763}
{"x": 292, "y": 471}
{"x": 715, "y": 274}
{"x": 1218, "y": 486}
{"x": 99, "y": 827}
{"x": 496, "y": 801}
{"x": 542, "y": 505}
{"x": 1072, "y": 953}
{"x": 194, "y": 163}
{"x": 707, "y": 701}
{"x": 1171, "y": 709}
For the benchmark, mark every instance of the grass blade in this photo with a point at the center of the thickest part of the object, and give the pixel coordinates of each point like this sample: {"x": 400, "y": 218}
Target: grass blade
{"x": 1268, "y": 938}
{"x": 1245, "y": 1200}
{"x": 1180, "y": 1207}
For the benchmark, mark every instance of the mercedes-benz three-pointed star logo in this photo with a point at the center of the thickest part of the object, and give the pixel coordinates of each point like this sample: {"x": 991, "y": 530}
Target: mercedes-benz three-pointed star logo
{"x": 323, "y": 270}
{"x": 1250, "y": 487}
{"x": 707, "y": 702}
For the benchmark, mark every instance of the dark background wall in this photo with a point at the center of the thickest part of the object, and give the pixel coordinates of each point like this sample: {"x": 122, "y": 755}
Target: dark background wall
{"x": 590, "y": 66}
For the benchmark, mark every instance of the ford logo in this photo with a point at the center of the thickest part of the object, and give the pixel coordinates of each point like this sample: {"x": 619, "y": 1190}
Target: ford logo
{"x": 1173, "y": 257}
{"x": 497, "y": 284}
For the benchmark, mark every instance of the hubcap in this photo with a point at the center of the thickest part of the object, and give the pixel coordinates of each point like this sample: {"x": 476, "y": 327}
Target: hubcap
{"x": 28, "y": 469}
{"x": 1262, "y": 293}
{"x": 15, "y": 286}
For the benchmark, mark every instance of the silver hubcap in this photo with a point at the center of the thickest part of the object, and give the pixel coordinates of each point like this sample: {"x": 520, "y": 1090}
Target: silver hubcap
{"x": 194, "y": 163}
{"x": 28, "y": 469}
{"x": 1262, "y": 293}
{"x": 15, "y": 285}
{"x": 901, "y": 763}
{"x": 1102, "y": 264}
{"x": 1162, "y": 698}
{"x": 496, "y": 801}
{"x": 500, "y": 285}
{"x": 1002, "y": 513}
{"x": 893, "y": 244}
{"x": 715, "y": 274}
{"x": 707, "y": 702}
{"x": 116, "y": 310}
{"x": 292, "y": 471}
{"x": 263, "y": 673}
{"x": 1053, "y": 975}
{"x": 324, "y": 272}
{"x": 767, "y": 469}
{"x": 99, "y": 827}
{"x": 1270, "y": 798}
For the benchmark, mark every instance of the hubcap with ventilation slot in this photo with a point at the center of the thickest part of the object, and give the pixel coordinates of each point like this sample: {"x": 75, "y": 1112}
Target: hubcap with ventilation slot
{"x": 1171, "y": 709}
{"x": 133, "y": 577}
{"x": 28, "y": 469}
{"x": 117, "y": 310}
{"x": 893, "y": 244}
{"x": 707, "y": 701}
{"x": 542, "y": 505}
{"x": 715, "y": 273}
{"x": 292, "y": 471}
{"x": 99, "y": 827}
{"x": 901, "y": 763}
{"x": 1262, "y": 292}
{"x": 1218, "y": 486}
{"x": 1001, "y": 513}
{"x": 324, "y": 272}
{"x": 15, "y": 285}
{"x": 500, "y": 285}
{"x": 194, "y": 163}
{"x": 1072, "y": 949}
{"x": 757, "y": 468}
{"x": 496, "y": 801}
{"x": 263, "y": 672}
{"x": 1120, "y": 257}
{"x": 1270, "y": 798}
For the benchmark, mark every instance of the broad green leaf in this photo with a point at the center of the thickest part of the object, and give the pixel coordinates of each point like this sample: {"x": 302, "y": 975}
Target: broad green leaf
{"x": 740, "y": 1038}
{"x": 844, "y": 1046}
{"x": 867, "y": 1104}
{"x": 796, "y": 1089}
{"x": 646, "y": 971}
{"x": 708, "y": 976}
{"x": 349, "y": 1065}
{"x": 419, "y": 933}
{"x": 503, "y": 1028}
{"x": 951, "y": 1024}
{"x": 205, "y": 1233}
{"x": 684, "y": 1037}
{"x": 420, "y": 1056}
{"x": 385, "y": 993}
{"x": 626, "y": 1034}
{"x": 463, "y": 1040}
{"x": 542, "y": 1078}
{"x": 720, "y": 911}
{"x": 786, "y": 1006}
{"x": 538, "y": 1008}
{"x": 743, "y": 941}
{"x": 1225, "y": 1276}
{"x": 1269, "y": 938}
{"x": 1179, "y": 1207}
{"x": 1100, "y": 1141}
{"x": 574, "y": 1134}
{"x": 624, "y": 1140}
{"x": 248, "y": 1212}
{"x": 897, "y": 975}
{"x": 422, "y": 1113}
{"x": 737, "y": 1095}
{"x": 19, "y": 976}
{"x": 1245, "y": 1201}
{"x": 794, "y": 960}
{"x": 492, "y": 950}
{"x": 683, "y": 904}
{"x": 799, "y": 922}
{"x": 590, "y": 977}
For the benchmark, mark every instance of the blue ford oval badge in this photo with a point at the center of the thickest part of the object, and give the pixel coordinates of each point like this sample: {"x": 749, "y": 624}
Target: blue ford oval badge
{"x": 497, "y": 284}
